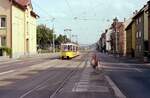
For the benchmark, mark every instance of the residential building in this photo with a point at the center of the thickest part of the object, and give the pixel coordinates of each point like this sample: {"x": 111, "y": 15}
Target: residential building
{"x": 108, "y": 40}
{"x": 141, "y": 23}
{"x": 100, "y": 44}
{"x": 118, "y": 37}
{"x": 148, "y": 12}
{"x": 121, "y": 37}
{"x": 18, "y": 27}
{"x": 130, "y": 37}
{"x": 103, "y": 41}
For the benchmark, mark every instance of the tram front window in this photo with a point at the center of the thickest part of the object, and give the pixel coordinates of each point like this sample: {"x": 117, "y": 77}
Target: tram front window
{"x": 69, "y": 47}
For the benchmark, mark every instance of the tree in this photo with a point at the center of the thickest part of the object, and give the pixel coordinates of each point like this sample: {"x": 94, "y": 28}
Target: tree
{"x": 62, "y": 39}
{"x": 44, "y": 36}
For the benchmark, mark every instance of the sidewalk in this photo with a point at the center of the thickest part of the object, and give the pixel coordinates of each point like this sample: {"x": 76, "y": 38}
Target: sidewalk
{"x": 3, "y": 59}
{"x": 122, "y": 59}
{"x": 126, "y": 59}
{"x": 7, "y": 59}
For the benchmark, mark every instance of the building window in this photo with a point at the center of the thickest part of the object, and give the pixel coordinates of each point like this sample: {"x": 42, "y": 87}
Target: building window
{"x": 137, "y": 21}
{"x": 140, "y": 34}
{"x": 137, "y": 47}
{"x": 137, "y": 34}
{"x": 140, "y": 20}
{"x": 140, "y": 48}
{"x": 3, "y": 41}
{"x": 2, "y": 22}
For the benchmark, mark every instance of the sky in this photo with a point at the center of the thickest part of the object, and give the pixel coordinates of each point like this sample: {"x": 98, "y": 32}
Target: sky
{"x": 86, "y": 18}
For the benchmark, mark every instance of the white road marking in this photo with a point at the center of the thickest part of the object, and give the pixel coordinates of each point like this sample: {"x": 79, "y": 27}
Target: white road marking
{"x": 122, "y": 68}
{"x": 7, "y": 62}
{"x": 6, "y": 72}
{"x": 123, "y": 64}
{"x": 116, "y": 90}
{"x": 137, "y": 69}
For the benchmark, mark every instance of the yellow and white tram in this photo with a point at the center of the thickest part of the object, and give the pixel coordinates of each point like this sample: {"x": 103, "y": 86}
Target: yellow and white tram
{"x": 69, "y": 50}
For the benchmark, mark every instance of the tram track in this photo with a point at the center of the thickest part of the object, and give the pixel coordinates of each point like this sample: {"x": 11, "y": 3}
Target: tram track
{"x": 54, "y": 76}
{"x": 40, "y": 80}
{"x": 67, "y": 78}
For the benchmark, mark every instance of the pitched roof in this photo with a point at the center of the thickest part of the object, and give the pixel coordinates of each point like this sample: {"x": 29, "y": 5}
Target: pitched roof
{"x": 23, "y": 2}
{"x": 141, "y": 11}
{"x": 128, "y": 23}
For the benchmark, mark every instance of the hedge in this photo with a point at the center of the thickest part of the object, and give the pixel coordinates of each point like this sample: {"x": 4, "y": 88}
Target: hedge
{"x": 7, "y": 50}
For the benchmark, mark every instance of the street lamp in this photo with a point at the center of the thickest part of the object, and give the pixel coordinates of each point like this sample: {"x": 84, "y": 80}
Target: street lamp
{"x": 53, "y": 35}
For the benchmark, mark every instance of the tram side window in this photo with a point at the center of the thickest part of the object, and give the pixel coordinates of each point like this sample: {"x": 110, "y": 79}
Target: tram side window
{"x": 76, "y": 49}
{"x": 70, "y": 47}
{"x": 65, "y": 48}
{"x": 73, "y": 48}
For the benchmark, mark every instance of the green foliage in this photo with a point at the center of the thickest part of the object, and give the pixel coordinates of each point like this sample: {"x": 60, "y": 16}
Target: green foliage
{"x": 45, "y": 37}
{"x": 61, "y": 39}
{"x": 7, "y": 50}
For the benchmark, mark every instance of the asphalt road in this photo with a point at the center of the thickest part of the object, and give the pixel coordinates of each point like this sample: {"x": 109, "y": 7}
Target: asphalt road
{"x": 35, "y": 78}
{"x": 132, "y": 79}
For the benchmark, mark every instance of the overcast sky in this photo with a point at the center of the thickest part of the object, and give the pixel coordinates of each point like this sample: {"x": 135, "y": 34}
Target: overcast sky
{"x": 86, "y": 18}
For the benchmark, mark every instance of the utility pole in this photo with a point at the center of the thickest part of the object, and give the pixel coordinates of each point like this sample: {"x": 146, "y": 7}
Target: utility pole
{"x": 53, "y": 35}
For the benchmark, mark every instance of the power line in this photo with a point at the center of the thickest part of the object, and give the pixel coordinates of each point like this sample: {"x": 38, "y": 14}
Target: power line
{"x": 68, "y": 4}
{"x": 41, "y": 8}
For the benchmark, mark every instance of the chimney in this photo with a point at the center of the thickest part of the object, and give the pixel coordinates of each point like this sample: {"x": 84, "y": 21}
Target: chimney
{"x": 124, "y": 19}
{"x": 115, "y": 19}
{"x": 136, "y": 11}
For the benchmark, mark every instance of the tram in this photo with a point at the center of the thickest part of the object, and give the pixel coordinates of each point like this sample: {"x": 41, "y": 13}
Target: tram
{"x": 69, "y": 50}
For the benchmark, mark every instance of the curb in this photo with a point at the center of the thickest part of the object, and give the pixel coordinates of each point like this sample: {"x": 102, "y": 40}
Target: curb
{"x": 115, "y": 89}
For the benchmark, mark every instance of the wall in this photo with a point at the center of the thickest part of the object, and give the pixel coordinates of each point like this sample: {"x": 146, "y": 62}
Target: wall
{"x": 30, "y": 32}
{"x": 133, "y": 35}
{"x": 145, "y": 26}
{"x": 5, "y": 11}
{"x": 108, "y": 45}
{"x": 128, "y": 41}
{"x": 18, "y": 29}
{"x": 140, "y": 40}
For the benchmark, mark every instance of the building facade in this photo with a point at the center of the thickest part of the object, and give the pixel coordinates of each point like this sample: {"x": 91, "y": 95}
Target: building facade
{"x": 121, "y": 37}
{"x": 108, "y": 40}
{"x": 103, "y": 42}
{"x": 18, "y": 27}
{"x": 118, "y": 37}
{"x": 130, "y": 37}
{"x": 148, "y": 12}
{"x": 141, "y": 32}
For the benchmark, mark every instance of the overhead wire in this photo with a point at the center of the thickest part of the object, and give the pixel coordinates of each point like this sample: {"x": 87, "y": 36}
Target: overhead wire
{"x": 46, "y": 13}
{"x": 69, "y": 7}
